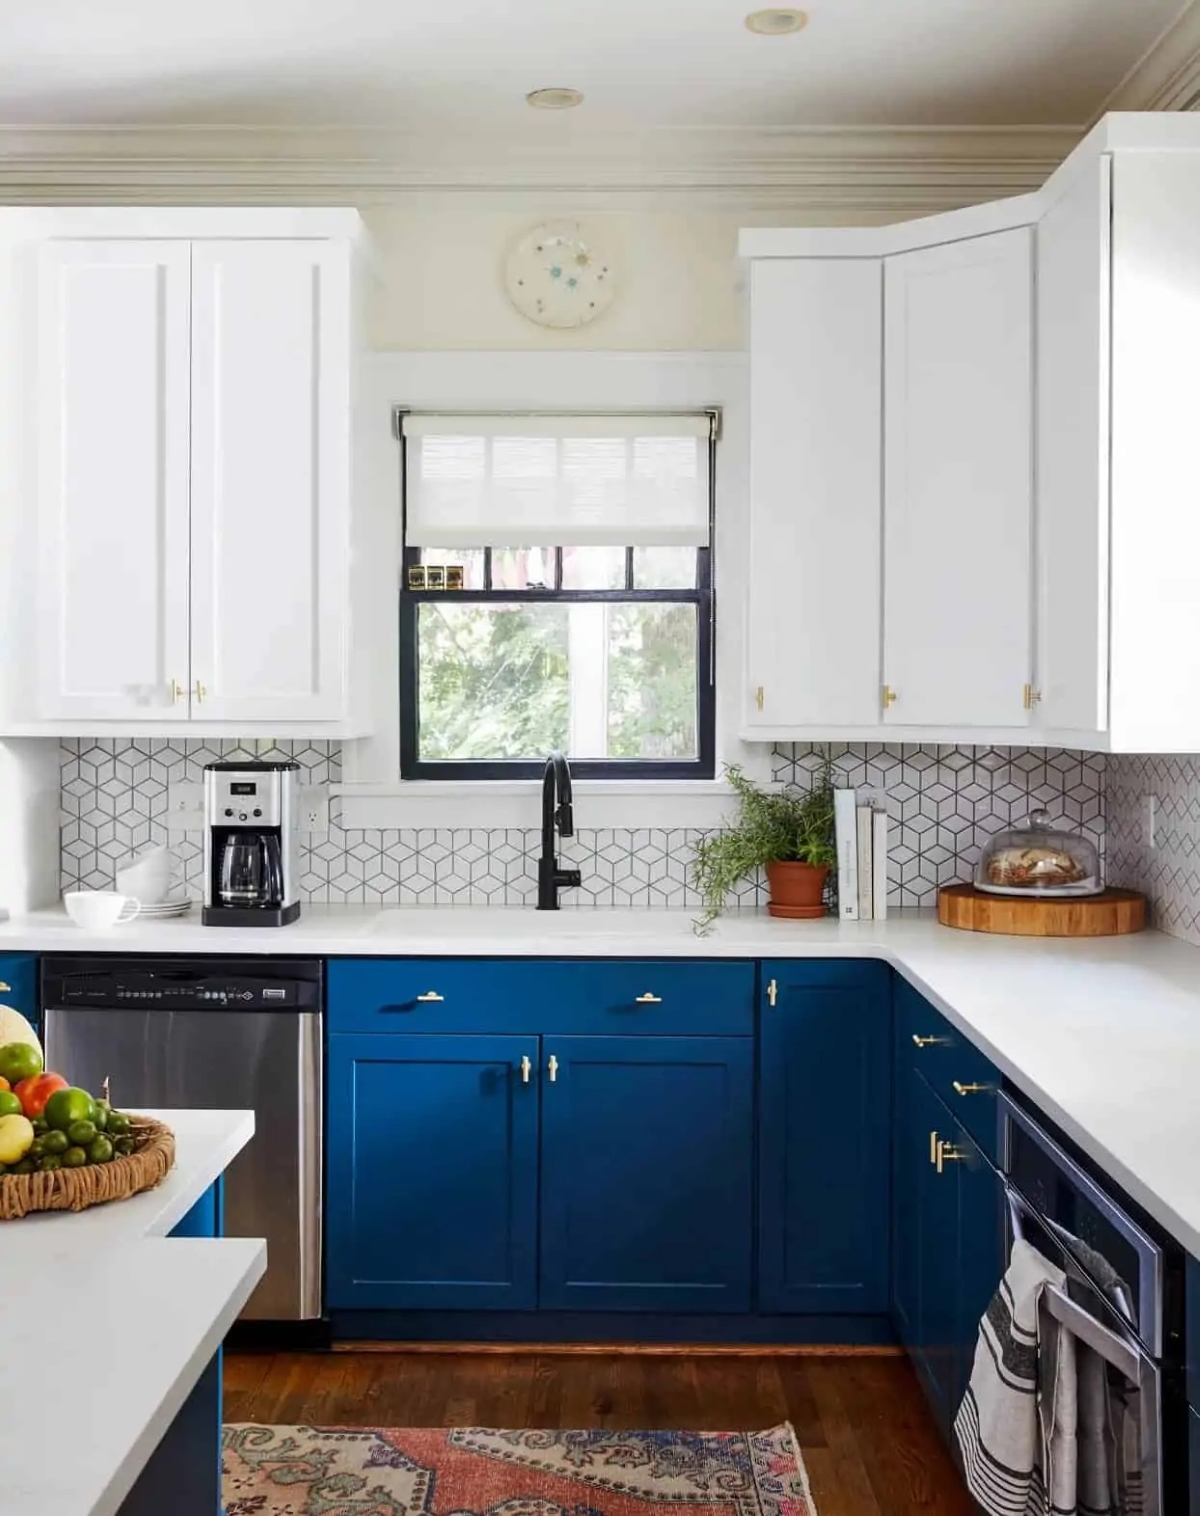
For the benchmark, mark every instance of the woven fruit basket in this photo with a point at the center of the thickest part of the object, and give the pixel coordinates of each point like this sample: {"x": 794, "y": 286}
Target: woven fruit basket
{"x": 76, "y": 1189}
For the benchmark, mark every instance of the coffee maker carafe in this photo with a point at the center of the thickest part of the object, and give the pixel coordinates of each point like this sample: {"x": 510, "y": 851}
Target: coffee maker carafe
{"x": 250, "y": 852}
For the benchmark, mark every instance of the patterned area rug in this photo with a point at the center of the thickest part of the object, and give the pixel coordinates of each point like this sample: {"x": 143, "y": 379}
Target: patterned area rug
{"x": 314, "y": 1471}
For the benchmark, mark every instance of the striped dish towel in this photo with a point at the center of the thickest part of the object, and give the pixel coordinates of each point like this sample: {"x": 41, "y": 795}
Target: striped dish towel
{"x": 997, "y": 1425}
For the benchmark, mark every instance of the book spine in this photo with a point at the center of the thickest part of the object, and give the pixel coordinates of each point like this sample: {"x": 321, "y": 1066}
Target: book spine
{"x": 846, "y": 839}
{"x": 865, "y": 834}
{"x": 880, "y": 862}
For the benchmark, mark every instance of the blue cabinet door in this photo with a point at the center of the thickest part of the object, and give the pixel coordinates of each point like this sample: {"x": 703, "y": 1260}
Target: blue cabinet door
{"x": 910, "y": 1154}
{"x": 936, "y": 1353}
{"x": 824, "y": 1138}
{"x": 647, "y": 1173}
{"x": 19, "y": 986}
{"x": 432, "y": 1173}
{"x": 980, "y": 1251}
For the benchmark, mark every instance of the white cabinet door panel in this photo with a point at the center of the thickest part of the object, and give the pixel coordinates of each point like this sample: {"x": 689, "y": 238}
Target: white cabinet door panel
{"x": 816, "y": 330}
{"x": 270, "y": 479}
{"x": 1072, "y": 454}
{"x": 112, "y": 467}
{"x": 958, "y": 482}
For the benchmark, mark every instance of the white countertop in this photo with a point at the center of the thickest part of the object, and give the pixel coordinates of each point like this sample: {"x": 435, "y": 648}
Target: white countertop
{"x": 107, "y": 1324}
{"x": 1102, "y": 1034}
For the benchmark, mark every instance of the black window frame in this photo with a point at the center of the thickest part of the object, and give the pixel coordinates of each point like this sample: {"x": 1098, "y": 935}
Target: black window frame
{"x": 702, "y": 595}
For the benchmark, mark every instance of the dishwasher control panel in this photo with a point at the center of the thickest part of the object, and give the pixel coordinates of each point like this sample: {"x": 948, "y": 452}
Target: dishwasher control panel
{"x": 168, "y": 984}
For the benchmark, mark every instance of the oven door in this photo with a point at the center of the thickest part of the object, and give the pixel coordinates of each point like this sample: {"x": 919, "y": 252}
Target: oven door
{"x": 1107, "y": 1247}
{"x": 1088, "y": 1314}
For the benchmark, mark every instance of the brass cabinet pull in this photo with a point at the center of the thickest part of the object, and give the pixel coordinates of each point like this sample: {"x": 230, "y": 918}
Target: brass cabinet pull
{"x": 933, "y": 1147}
{"x": 772, "y": 991}
{"x": 1030, "y": 696}
{"x": 760, "y": 695}
{"x": 176, "y": 691}
{"x": 931, "y": 1042}
{"x": 5, "y": 989}
{"x": 429, "y": 997}
{"x": 948, "y": 1153}
{"x": 888, "y": 696}
{"x": 969, "y": 1089}
{"x": 201, "y": 692}
{"x": 526, "y": 1069}
{"x": 552, "y": 1069}
{"x": 648, "y": 999}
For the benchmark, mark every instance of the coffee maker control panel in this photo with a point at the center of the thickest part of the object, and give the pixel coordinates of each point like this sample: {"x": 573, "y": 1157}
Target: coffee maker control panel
{"x": 237, "y": 801}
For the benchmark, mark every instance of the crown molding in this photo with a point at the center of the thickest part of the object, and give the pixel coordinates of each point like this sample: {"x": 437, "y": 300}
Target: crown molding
{"x": 883, "y": 170}
{"x": 1167, "y": 76}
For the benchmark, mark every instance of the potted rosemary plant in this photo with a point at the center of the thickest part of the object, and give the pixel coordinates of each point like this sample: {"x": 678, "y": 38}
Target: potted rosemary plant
{"x": 788, "y": 832}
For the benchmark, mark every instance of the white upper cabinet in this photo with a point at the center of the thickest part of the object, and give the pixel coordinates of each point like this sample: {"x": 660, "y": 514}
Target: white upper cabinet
{"x": 270, "y": 479}
{"x": 189, "y": 451}
{"x": 110, "y": 436}
{"x": 1073, "y": 438}
{"x": 958, "y": 483}
{"x": 815, "y": 413}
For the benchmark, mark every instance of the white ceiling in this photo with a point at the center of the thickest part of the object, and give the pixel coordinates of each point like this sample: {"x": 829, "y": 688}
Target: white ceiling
{"x": 466, "y": 64}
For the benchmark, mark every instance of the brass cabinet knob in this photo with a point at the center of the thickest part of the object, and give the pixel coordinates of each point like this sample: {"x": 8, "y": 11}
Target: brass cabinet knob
{"x": 201, "y": 692}
{"x": 552, "y": 1069}
{"x": 948, "y": 1153}
{"x": 648, "y": 999}
{"x": 177, "y": 690}
{"x": 969, "y": 1089}
{"x": 888, "y": 696}
{"x": 526, "y": 1069}
{"x": 429, "y": 997}
{"x": 930, "y": 1042}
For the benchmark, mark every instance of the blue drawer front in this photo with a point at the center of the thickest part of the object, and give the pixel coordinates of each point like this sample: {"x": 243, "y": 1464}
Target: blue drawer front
{"x": 18, "y": 978}
{"x": 524, "y": 997}
{"x": 964, "y": 1077}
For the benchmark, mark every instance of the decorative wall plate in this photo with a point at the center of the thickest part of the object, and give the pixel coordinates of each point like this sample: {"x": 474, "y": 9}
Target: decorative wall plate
{"x": 556, "y": 277}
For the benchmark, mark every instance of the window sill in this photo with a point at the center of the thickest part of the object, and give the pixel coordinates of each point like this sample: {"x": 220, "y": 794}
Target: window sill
{"x": 518, "y": 803}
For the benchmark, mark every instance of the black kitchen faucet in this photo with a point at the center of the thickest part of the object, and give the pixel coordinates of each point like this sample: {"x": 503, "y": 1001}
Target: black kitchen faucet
{"x": 556, "y": 814}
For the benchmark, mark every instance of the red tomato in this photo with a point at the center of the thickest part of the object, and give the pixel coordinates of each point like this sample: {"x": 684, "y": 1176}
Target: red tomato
{"x": 34, "y": 1092}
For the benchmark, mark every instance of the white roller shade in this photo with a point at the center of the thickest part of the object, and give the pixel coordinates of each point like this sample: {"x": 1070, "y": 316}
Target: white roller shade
{"x": 547, "y": 481}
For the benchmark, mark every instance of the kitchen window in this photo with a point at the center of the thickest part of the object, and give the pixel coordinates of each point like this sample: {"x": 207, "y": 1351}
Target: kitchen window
{"x": 557, "y": 592}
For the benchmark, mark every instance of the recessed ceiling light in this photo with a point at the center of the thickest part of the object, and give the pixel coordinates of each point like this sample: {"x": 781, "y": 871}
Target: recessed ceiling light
{"x": 554, "y": 99}
{"x": 776, "y": 22}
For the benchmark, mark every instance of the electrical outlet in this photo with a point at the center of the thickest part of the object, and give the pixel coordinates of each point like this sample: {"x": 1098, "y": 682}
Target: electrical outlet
{"x": 185, "y": 808}
{"x": 1151, "y": 820}
{"x": 314, "y": 808}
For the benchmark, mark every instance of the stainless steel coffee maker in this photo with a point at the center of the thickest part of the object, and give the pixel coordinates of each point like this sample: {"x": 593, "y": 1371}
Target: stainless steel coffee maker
{"x": 251, "y": 852}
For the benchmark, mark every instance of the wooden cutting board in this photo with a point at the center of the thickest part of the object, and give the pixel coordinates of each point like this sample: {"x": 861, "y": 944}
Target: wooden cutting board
{"x": 1106, "y": 915}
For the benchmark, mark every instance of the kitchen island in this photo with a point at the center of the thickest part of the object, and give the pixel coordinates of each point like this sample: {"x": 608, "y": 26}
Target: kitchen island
{"x": 112, "y": 1330}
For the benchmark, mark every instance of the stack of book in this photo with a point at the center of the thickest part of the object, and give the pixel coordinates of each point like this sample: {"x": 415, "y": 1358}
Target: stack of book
{"x": 861, "y": 828}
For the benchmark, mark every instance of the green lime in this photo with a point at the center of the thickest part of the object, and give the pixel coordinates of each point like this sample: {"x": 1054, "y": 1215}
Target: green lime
{"x": 118, "y": 1123}
{"x": 101, "y": 1116}
{"x": 38, "y": 1147}
{"x": 19, "y": 1060}
{"x": 81, "y": 1133}
{"x": 123, "y": 1145}
{"x": 100, "y": 1149}
{"x": 55, "y": 1142}
{"x": 25, "y": 1166}
{"x": 48, "y": 1162}
{"x": 66, "y": 1106}
{"x": 74, "y": 1158}
{"x": 10, "y": 1104}
{"x": 40, "y": 1125}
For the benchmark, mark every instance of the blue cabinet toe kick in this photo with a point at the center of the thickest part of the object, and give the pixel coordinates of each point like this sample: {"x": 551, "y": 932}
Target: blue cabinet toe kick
{"x": 614, "y": 1327}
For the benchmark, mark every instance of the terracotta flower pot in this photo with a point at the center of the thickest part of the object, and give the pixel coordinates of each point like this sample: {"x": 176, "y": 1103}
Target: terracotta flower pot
{"x": 797, "y": 890}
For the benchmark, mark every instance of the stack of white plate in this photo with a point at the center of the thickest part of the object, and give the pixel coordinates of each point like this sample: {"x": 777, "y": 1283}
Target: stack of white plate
{"x": 161, "y": 910}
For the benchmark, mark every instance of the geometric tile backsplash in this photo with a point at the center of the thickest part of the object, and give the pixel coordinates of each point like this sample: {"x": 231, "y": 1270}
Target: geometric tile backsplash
{"x": 945, "y": 801}
{"x": 1168, "y": 872}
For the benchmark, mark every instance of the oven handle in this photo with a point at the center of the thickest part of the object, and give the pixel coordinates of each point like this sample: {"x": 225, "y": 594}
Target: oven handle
{"x": 1118, "y": 1351}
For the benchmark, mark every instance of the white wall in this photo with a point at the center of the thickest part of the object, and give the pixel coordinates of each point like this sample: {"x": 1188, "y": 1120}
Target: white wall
{"x": 441, "y": 261}
{"x": 29, "y": 841}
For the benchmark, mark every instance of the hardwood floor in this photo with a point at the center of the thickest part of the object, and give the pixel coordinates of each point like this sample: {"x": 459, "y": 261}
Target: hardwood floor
{"x": 867, "y": 1438}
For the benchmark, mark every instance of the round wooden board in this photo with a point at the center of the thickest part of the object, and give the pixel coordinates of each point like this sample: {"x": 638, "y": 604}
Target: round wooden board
{"x": 1106, "y": 915}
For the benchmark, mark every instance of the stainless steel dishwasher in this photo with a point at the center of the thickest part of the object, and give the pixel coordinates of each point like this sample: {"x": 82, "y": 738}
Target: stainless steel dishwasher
{"x": 214, "y": 1034}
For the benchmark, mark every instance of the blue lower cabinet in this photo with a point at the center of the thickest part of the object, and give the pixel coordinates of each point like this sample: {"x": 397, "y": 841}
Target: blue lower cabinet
{"x": 910, "y": 1153}
{"x": 432, "y": 1169}
{"x": 1193, "y": 1463}
{"x": 936, "y": 1352}
{"x": 981, "y": 1260}
{"x": 824, "y": 1138}
{"x": 19, "y": 985}
{"x": 647, "y": 1173}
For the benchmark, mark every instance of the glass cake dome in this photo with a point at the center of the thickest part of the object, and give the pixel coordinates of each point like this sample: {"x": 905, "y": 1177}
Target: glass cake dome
{"x": 1039, "y": 860}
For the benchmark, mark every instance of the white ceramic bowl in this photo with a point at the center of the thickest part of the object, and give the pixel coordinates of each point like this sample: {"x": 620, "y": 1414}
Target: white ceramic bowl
{"x": 148, "y": 877}
{"x": 95, "y": 910}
